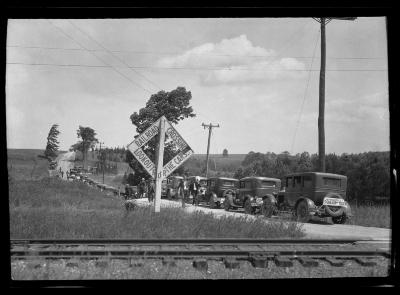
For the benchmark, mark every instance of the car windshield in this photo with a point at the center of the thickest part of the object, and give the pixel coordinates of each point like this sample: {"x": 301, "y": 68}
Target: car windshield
{"x": 268, "y": 183}
{"x": 203, "y": 182}
{"x": 228, "y": 183}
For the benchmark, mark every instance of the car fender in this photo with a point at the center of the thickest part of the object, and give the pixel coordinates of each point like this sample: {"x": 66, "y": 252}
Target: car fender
{"x": 310, "y": 203}
{"x": 271, "y": 198}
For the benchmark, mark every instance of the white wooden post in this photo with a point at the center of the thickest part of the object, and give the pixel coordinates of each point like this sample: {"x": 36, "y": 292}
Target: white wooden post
{"x": 159, "y": 164}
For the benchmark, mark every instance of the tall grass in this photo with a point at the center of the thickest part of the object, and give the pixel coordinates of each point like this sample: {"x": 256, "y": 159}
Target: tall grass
{"x": 374, "y": 216}
{"x": 52, "y": 208}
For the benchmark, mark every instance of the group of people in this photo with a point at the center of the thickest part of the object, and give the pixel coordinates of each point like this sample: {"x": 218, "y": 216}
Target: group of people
{"x": 148, "y": 189}
{"x": 184, "y": 190}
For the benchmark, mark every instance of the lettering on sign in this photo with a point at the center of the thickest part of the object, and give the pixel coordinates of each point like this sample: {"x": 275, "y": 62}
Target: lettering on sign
{"x": 175, "y": 163}
{"x": 144, "y": 137}
{"x": 147, "y": 164}
{"x": 174, "y": 135}
{"x": 149, "y": 133}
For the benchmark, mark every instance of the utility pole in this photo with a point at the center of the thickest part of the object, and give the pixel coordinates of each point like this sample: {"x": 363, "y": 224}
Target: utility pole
{"x": 210, "y": 126}
{"x": 321, "y": 117}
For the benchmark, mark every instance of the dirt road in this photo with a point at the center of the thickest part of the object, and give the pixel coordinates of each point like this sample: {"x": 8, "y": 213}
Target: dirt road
{"x": 313, "y": 230}
{"x": 65, "y": 162}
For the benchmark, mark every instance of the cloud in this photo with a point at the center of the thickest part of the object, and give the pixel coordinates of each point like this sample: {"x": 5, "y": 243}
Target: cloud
{"x": 244, "y": 62}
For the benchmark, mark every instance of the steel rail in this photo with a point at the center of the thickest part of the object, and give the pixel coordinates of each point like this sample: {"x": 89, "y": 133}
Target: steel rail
{"x": 195, "y": 241}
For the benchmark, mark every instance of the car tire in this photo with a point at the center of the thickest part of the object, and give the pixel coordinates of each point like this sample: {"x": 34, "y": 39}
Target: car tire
{"x": 248, "y": 209}
{"x": 340, "y": 219}
{"x": 268, "y": 208}
{"x": 227, "y": 204}
{"x": 332, "y": 213}
{"x": 302, "y": 212}
{"x": 212, "y": 204}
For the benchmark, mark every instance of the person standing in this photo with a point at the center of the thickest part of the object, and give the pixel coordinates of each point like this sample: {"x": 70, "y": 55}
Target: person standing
{"x": 142, "y": 188}
{"x": 151, "y": 190}
{"x": 195, "y": 186}
{"x": 182, "y": 190}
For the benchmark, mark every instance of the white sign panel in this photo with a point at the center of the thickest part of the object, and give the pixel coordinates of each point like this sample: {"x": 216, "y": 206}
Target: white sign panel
{"x": 175, "y": 136}
{"x": 175, "y": 163}
{"x": 149, "y": 133}
{"x": 143, "y": 159}
{"x": 144, "y": 137}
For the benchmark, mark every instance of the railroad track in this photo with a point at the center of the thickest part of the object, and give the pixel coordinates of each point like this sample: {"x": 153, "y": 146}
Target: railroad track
{"x": 231, "y": 251}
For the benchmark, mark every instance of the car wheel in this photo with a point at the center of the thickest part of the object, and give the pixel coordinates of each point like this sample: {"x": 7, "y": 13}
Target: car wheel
{"x": 212, "y": 203}
{"x": 248, "y": 209}
{"x": 340, "y": 219}
{"x": 267, "y": 207}
{"x": 334, "y": 211}
{"x": 302, "y": 212}
{"x": 227, "y": 205}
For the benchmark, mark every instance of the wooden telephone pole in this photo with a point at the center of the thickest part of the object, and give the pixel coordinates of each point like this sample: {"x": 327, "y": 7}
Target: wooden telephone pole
{"x": 321, "y": 117}
{"x": 210, "y": 126}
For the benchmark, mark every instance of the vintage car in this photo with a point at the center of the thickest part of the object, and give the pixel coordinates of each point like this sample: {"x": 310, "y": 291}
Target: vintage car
{"x": 311, "y": 195}
{"x": 252, "y": 191}
{"x": 203, "y": 184}
{"x": 218, "y": 188}
{"x": 172, "y": 186}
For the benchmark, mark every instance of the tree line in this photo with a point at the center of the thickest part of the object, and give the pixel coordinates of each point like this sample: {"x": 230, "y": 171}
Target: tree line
{"x": 368, "y": 173}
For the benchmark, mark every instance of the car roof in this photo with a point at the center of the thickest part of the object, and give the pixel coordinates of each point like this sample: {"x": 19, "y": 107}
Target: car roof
{"x": 317, "y": 174}
{"x": 260, "y": 178}
{"x": 194, "y": 176}
{"x": 224, "y": 178}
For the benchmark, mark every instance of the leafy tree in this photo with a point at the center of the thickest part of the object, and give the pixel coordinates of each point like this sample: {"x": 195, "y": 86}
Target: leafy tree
{"x": 88, "y": 140}
{"x": 175, "y": 106}
{"x": 225, "y": 153}
{"x": 52, "y": 143}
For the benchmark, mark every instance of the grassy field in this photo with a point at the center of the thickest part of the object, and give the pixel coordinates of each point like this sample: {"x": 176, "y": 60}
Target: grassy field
{"x": 375, "y": 216}
{"x": 52, "y": 208}
{"x": 25, "y": 164}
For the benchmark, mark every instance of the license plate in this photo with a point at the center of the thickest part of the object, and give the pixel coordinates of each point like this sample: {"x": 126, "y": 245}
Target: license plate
{"x": 334, "y": 202}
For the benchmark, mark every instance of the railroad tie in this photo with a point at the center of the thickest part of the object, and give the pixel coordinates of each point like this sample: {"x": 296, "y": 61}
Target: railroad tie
{"x": 334, "y": 262}
{"x": 307, "y": 262}
{"x": 231, "y": 263}
{"x": 259, "y": 261}
{"x": 200, "y": 264}
{"x": 101, "y": 263}
{"x": 170, "y": 262}
{"x": 365, "y": 262}
{"x": 283, "y": 262}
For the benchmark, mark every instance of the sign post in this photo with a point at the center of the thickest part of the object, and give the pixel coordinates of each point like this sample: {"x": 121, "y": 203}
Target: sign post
{"x": 159, "y": 164}
{"x": 157, "y": 170}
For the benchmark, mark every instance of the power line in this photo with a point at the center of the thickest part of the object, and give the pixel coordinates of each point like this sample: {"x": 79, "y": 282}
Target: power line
{"x": 71, "y": 38}
{"x": 305, "y": 93}
{"x": 200, "y": 69}
{"x": 98, "y": 43}
{"x": 176, "y": 53}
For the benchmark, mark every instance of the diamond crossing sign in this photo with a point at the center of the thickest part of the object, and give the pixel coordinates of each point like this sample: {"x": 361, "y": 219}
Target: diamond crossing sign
{"x": 157, "y": 170}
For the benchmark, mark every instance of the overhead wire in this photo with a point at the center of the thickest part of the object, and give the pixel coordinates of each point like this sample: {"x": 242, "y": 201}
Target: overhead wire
{"x": 199, "y": 69}
{"x": 207, "y": 54}
{"x": 109, "y": 52}
{"x": 123, "y": 75}
{"x": 305, "y": 94}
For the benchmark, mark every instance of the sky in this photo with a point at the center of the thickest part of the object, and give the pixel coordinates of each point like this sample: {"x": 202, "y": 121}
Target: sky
{"x": 257, "y": 78}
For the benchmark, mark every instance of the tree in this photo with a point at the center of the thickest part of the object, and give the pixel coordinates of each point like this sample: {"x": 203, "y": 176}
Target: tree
{"x": 225, "y": 153}
{"x": 175, "y": 107}
{"x": 52, "y": 143}
{"x": 88, "y": 140}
